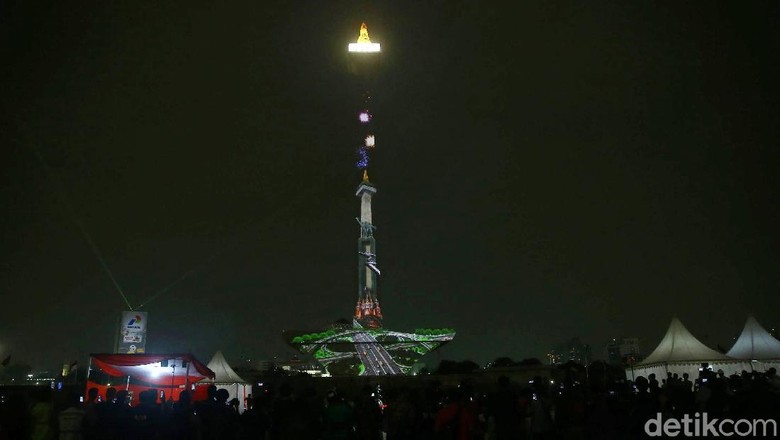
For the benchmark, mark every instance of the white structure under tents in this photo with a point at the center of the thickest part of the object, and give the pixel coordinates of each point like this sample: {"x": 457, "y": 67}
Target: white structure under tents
{"x": 680, "y": 352}
{"x": 225, "y": 377}
{"x": 755, "y": 344}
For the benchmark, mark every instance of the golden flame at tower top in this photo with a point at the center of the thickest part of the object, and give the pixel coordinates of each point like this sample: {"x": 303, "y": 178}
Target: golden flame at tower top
{"x": 363, "y": 38}
{"x": 364, "y": 43}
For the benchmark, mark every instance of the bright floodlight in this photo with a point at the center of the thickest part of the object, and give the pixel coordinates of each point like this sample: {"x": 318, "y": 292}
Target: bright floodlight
{"x": 364, "y": 43}
{"x": 364, "y": 47}
{"x": 370, "y": 140}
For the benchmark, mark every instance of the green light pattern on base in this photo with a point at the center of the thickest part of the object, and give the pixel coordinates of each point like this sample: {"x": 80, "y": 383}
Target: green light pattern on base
{"x": 336, "y": 350}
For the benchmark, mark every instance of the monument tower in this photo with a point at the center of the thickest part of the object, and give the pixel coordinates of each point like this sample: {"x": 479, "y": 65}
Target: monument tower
{"x": 364, "y": 64}
{"x": 367, "y": 347}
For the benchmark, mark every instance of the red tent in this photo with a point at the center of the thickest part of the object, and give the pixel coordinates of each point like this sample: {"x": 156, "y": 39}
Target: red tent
{"x": 172, "y": 373}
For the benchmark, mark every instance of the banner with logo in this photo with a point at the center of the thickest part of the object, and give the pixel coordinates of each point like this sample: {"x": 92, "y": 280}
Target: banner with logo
{"x": 132, "y": 332}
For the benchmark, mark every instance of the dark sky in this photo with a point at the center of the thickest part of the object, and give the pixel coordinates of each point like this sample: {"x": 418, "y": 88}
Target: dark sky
{"x": 553, "y": 170}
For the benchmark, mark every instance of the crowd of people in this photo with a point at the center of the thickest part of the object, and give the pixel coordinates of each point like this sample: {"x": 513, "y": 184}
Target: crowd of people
{"x": 541, "y": 409}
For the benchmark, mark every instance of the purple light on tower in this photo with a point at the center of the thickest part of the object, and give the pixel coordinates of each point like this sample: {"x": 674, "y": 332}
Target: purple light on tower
{"x": 364, "y": 117}
{"x": 362, "y": 162}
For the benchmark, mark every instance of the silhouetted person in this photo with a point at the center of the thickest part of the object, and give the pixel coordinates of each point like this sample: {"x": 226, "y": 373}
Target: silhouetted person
{"x": 71, "y": 419}
{"x": 456, "y": 419}
{"x": 92, "y": 397}
{"x": 773, "y": 380}
{"x": 205, "y": 411}
{"x": 601, "y": 423}
{"x": 121, "y": 397}
{"x": 542, "y": 423}
{"x": 653, "y": 383}
{"x": 255, "y": 421}
{"x": 222, "y": 422}
{"x": 338, "y": 420}
{"x": 144, "y": 419}
{"x": 687, "y": 385}
{"x": 120, "y": 413}
{"x": 42, "y": 416}
{"x": 307, "y": 406}
{"x": 90, "y": 408}
{"x": 503, "y": 411}
{"x": 284, "y": 418}
{"x": 401, "y": 415}
{"x": 235, "y": 406}
{"x": 368, "y": 415}
{"x": 181, "y": 423}
{"x": 102, "y": 424}
{"x": 643, "y": 408}
{"x": 110, "y": 394}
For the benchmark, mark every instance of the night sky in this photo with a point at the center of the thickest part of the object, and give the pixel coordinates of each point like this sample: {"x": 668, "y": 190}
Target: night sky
{"x": 555, "y": 170}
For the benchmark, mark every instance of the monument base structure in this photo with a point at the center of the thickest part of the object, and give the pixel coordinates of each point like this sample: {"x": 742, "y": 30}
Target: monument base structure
{"x": 359, "y": 351}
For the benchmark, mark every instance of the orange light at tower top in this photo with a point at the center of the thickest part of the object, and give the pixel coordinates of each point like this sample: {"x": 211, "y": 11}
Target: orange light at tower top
{"x": 364, "y": 43}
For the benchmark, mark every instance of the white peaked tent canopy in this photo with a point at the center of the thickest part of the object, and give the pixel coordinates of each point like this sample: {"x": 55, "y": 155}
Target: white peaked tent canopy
{"x": 680, "y": 345}
{"x": 223, "y": 374}
{"x": 757, "y": 344}
{"x": 680, "y": 352}
{"x": 225, "y": 377}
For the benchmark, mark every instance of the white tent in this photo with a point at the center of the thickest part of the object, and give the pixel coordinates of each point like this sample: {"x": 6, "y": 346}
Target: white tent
{"x": 757, "y": 345}
{"x": 680, "y": 352}
{"x": 225, "y": 377}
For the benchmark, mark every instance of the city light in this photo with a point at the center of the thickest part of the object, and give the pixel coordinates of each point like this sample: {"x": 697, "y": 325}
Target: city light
{"x": 370, "y": 141}
{"x": 364, "y": 117}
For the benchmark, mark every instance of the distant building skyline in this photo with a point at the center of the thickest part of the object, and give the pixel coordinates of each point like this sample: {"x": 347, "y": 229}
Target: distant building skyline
{"x": 572, "y": 350}
{"x": 623, "y": 351}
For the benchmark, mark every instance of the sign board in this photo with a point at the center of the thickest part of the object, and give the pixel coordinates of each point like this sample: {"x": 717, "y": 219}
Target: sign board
{"x": 132, "y": 332}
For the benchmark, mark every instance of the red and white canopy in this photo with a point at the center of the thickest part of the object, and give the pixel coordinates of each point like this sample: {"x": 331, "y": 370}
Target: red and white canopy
{"x": 160, "y": 369}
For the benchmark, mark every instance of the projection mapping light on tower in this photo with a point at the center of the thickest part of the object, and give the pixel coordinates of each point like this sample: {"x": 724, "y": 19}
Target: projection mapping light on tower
{"x": 366, "y": 347}
{"x": 364, "y": 64}
{"x": 367, "y": 311}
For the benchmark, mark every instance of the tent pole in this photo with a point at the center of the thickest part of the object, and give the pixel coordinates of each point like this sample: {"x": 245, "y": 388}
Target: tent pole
{"x": 173, "y": 376}
{"x": 187, "y": 380}
{"x": 89, "y": 370}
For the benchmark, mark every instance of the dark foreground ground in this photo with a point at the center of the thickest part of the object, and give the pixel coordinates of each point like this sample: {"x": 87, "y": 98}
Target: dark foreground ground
{"x": 551, "y": 404}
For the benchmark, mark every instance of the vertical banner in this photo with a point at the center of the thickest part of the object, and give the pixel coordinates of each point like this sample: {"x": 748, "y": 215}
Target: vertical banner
{"x": 132, "y": 332}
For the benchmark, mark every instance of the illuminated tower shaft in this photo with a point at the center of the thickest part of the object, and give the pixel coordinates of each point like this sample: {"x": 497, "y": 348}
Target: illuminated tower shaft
{"x": 367, "y": 311}
{"x": 364, "y": 62}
